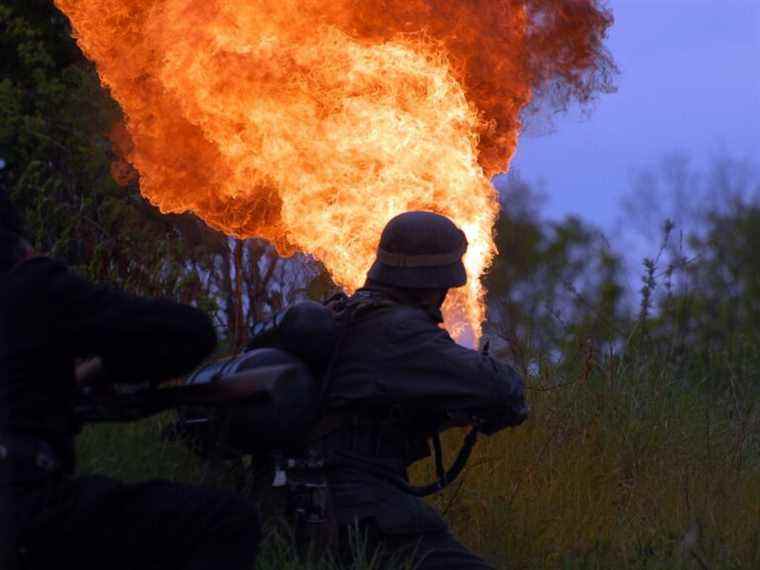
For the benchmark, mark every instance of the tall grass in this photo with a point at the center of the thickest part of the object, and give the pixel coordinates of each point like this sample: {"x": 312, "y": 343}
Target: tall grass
{"x": 647, "y": 457}
{"x": 633, "y": 467}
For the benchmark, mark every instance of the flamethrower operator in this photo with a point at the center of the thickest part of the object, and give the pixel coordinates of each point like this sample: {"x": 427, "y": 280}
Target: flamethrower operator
{"x": 397, "y": 379}
{"x": 386, "y": 379}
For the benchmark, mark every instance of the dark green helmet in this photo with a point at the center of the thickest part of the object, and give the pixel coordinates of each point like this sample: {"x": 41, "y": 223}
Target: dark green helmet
{"x": 420, "y": 250}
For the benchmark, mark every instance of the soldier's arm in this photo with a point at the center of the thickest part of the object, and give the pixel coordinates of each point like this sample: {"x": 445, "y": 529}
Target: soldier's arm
{"x": 432, "y": 369}
{"x": 136, "y": 338}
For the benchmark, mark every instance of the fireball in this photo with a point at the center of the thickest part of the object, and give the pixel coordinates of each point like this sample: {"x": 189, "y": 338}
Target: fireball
{"x": 311, "y": 123}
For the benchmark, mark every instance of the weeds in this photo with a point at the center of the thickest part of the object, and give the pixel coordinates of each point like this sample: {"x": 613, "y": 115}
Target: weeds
{"x": 643, "y": 457}
{"x": 633, "y": 468}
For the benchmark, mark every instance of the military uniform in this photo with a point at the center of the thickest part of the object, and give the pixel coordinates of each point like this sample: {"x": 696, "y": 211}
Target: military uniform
{"x": 396, "y": 376}
{"x": 48, "y": 318}
{"x": 395, "y": 379}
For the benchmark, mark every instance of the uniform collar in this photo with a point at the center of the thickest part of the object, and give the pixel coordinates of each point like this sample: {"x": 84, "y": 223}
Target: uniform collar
{"x": 397, "y": 296}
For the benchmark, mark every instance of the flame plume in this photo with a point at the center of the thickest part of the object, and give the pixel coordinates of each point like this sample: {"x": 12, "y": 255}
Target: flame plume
{"x": 312, "y": 122}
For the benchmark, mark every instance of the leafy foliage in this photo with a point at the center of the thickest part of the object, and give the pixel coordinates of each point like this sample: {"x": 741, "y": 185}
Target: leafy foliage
{"x": 554, "y": 285}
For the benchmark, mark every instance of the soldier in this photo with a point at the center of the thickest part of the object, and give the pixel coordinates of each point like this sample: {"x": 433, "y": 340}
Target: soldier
{"x": 395, "y": 378}
{"x": 49, "y": 317}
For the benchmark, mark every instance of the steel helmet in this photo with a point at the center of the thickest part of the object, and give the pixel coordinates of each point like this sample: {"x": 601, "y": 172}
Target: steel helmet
{"x": 420, "y": 250}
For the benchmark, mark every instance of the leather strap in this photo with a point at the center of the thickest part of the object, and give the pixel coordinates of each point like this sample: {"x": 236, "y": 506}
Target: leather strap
{"x": 429, "y": 260}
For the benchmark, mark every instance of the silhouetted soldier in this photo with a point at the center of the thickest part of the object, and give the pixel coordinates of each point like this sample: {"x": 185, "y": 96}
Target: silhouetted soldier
{"x": 396, "y": 376}
{"x": 49, "y": 317}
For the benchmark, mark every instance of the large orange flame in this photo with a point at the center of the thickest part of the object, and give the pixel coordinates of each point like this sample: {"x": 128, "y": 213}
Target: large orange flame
{"x": 312, "y": 122}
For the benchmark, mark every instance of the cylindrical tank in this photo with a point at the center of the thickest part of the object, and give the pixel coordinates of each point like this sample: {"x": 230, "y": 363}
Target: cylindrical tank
{"x": 282, "y": 407}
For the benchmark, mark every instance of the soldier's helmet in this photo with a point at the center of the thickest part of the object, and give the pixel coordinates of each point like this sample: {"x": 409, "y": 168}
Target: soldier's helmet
{"x": 420, "y": 250}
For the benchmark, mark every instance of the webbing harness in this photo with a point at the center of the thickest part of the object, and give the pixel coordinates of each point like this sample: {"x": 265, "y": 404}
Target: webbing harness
{"x": 445, "y": 477}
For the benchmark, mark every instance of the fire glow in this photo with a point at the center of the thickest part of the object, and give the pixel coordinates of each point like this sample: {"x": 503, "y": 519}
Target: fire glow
{"x": 312, "y": 122}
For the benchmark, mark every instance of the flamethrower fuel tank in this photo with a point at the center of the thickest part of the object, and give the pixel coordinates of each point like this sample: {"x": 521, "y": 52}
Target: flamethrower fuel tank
{"x": 280, "y": 405}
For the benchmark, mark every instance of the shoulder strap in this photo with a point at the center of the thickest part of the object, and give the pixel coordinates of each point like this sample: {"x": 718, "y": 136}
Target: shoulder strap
{"x": 346, "y": 311}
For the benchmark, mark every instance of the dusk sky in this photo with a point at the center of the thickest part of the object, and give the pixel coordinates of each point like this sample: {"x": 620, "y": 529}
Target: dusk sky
{"x": 689, "y": 83}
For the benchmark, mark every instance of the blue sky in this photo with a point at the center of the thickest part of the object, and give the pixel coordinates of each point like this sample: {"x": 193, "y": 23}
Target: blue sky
{"x": 689, "y": 83}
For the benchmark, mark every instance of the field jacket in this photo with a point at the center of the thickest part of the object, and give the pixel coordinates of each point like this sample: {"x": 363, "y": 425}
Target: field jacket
{"x": 400, "y": 374}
